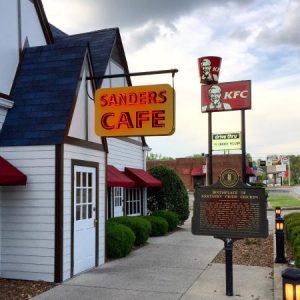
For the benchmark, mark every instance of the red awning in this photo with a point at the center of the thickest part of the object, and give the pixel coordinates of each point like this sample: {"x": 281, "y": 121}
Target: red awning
{"x": 142, "y": 178}
{"x": 198, "y": 171}
{"x": 10, "y": 175}
{"x": 249, "y": 171}
{"x": 118, "y": 178}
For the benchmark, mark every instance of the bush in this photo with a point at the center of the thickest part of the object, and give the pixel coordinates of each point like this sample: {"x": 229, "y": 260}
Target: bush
{"x": 140, "y": 227}
{"x": 171, "y": 196}
{"x": 294, "y": 233}
{"x": 120, "y": 239}
{"x": 290, "y": 221}
{"x": 159, "y": 226}
{"x": 170, "y": 216}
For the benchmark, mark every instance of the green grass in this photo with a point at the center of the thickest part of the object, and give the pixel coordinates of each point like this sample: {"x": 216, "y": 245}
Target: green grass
{"x": 283, "y": 201}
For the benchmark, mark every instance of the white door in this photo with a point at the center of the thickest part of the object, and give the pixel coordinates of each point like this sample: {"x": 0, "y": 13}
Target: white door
{"x": 84, "y": 218}
{"x": 118, "y": 201}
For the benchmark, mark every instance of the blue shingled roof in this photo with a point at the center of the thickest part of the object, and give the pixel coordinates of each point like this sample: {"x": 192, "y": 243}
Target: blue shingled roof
{"x": 101, "y": 45}
{"x": 46, "y": 86}
{"x": 56, "y": 33}
{"x": 45, "y": 89}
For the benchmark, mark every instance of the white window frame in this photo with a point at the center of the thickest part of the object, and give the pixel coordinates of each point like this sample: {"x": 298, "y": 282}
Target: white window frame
{"x": 134, "y": 198}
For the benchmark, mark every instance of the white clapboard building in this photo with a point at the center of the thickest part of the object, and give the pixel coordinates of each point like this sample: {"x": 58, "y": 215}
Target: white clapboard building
{"x": 59, "y": 182}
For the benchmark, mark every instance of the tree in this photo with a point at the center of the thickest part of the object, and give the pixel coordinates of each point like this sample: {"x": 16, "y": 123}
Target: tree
{"x": 295, "y": 168}
{"x": 155, "y": 156}
{"x": 172, "y": 195}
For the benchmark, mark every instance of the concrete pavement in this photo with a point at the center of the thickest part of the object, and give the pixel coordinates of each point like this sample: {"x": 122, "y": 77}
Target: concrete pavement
{"x": 176, "y": 266}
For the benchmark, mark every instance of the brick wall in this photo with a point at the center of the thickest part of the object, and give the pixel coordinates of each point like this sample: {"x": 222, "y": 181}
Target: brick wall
{"x": 183, "y": 166}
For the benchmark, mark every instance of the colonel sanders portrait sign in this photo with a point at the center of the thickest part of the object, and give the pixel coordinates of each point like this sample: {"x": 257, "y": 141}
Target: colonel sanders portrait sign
{"x": 209, "y": 69}
{"x": 226, "y": 96}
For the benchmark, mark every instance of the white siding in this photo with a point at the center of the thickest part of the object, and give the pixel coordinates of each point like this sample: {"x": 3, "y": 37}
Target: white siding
{"x": 123, "y": 154}
{"x": 79, "y": 153}
{"x": 27, "y": 215}
{"x": 83, "y": 120}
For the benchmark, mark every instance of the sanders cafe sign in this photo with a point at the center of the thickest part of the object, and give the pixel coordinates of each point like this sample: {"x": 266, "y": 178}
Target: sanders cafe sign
{"x": 135, "y": 111}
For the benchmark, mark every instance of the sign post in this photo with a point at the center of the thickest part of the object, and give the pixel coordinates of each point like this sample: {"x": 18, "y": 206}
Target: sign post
{"x": 230, "y": 210}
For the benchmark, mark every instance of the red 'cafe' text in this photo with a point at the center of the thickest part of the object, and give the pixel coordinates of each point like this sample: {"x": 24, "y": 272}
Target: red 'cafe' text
{"x": 113, "y": 121}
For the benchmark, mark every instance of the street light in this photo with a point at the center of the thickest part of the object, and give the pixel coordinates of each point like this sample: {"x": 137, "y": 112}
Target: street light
{"x": 291, "y": 284}
{"x": 277, "y": 212}
{"x": 279, "y": 225}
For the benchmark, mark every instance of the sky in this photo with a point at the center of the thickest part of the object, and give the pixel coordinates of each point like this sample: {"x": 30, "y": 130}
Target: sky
{"x": 258, "y": 40}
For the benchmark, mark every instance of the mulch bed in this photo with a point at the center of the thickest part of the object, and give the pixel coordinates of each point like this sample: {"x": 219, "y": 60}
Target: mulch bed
{"x": 250, "y": 252}
{"x": 22, "y": 289}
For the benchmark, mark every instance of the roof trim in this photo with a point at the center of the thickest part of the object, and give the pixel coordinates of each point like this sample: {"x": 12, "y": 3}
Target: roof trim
{"x": 5, "y": 103}
{"x": 79, "y": 81}
{"x": 119, "y": 44}
{"x": 44, "y": 21}
{"x": 87, "y": 57}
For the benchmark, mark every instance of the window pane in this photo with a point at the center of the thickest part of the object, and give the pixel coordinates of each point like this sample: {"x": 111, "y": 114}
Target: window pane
{"x": 78, "y": 178}
{"x": 90, "y": 195}
{"x": 83, "y": 179}
{"x": 78, "y": 212}
{"x": 84, "y": 198}
{"x": 84, "y": 207}
{"x": 89, "y": 179}
{"x": 131, "y": 208}
{"x": 78, "y": 195}
{"x": 90, "y": 211}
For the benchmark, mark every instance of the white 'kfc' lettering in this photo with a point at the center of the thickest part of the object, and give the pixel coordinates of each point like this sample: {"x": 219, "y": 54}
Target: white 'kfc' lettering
{"x": 236, "y": 94}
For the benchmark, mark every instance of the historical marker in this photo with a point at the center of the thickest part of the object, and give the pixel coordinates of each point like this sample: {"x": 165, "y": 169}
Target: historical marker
{"x": 230, "y": 209}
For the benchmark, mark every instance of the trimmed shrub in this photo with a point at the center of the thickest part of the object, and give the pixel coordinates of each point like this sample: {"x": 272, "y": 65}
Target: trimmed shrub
{"x": 170, "y": 216}
{"x": 290, "y": 227}
{"x": 140, "y": 227}
{"x": 120, "y": 239}
{"x": 294, "y": 233}
{"x": 159, "y": 226}
{"x": 290, "y": 221}
{"x": 171, "y": 196}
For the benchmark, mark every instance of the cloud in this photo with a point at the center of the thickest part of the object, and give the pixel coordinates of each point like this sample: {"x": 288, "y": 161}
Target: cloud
{"x": 285, "y": 30}
{"x": 256, "y": 39}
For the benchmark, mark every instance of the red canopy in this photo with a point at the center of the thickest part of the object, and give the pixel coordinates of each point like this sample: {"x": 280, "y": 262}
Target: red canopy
{"x": 117, "y": 178}
{"x": 197, "y": 171}
{"x": 10, "y": 175}
{"x": 142, "y": 178}
{"x": 249, "y": 171}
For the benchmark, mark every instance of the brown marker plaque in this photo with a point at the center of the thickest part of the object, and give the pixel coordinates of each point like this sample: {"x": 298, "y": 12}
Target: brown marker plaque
{"x": 235, "y": 212}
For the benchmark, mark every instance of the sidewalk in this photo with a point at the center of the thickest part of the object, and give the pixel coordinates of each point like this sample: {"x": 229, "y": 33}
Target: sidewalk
{"x": 176, "y": 266}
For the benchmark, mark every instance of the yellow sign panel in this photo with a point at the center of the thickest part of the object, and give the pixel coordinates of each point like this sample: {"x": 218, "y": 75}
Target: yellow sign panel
{"x": 226, "y": 141}
{"x": 135, "y": 111}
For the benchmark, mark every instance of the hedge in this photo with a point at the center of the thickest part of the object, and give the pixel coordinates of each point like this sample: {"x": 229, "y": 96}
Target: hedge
{"x": 159, "y": 226}
{"x": 120, "y": 239}
{"x": 170, "y": 216}
{"x": 292, "y": 233}
{"x": 171, "y": 196}
{"x": 140, "y": 227}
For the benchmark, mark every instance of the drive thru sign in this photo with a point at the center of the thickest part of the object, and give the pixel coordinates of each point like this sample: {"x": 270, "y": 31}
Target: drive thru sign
{"x": 135, "y": 111}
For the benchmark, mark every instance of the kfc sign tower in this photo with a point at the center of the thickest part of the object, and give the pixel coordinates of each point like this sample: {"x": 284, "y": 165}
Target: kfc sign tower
{"x": 222, "y": 97}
